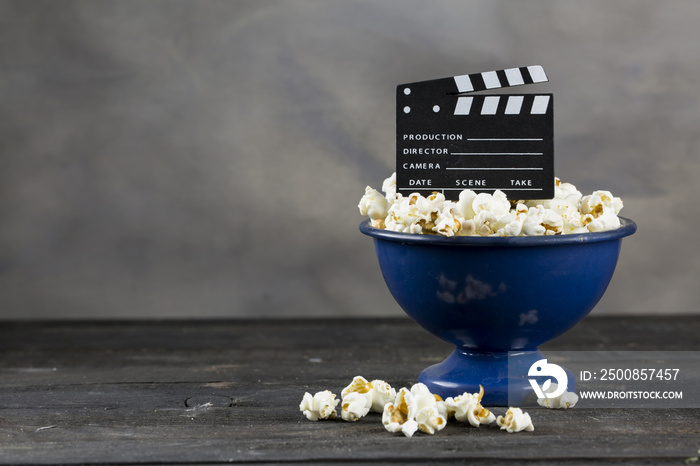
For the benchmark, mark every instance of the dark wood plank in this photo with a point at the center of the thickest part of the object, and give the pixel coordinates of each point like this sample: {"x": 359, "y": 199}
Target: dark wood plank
{"x": 137, "y": 392}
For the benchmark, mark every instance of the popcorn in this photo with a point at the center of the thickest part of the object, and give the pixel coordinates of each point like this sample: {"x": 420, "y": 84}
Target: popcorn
{"x": 483, "y": 223}
{"x": 357, "y": 399}
{"x": 362, "y": 396}
{"x": 403, "y": 216}
{"x": 564, "y": 401}
{"x": 600, "y": 211}
{"x": 468, "y": 228}
{"x": 542, "y": 221}
{"x": 509, "y": 225}
{"x": 319, "y": 406}
{"x": 565, "y": 191}
{"x": 382, "y": 393}
{"x": 355, "y": 406}
{"x": 496, "y": 203}
{"x": 606, "y": 221}
{"x": 389, "y": 188}
{"x": 431, "y": 415}
{"x": 465, "y": 205}
{"x": 447, "y": 223}
{"x": 373, "y": 204}
{"x": 414, "y": 409}
{"x": 467, "y": 408}
{"x": 430, "y": 420}
{"x": 600, "y": 202}
{"x": 515, "y": 420}
{"x": 569, "y": 213}
{"x": 484, "y": 214}
{"x": 400, "y": 415}
{"x": 359, "y": 385}
{"x": 432, "y": 204}
{"x": 417, "y": 408}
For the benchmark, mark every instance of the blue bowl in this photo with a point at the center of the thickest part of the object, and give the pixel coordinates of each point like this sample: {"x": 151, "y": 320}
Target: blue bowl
{"x": 495, "y": 297}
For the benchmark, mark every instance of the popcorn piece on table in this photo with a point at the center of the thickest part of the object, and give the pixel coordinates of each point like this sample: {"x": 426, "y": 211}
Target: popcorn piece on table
{"x": 414, "y": 409}
{"x": 467, "y": 408}
{"x": 357, "y": 399}
{"x": 515, "y": 420}
{"x": 382, "y": 393}
{"x": 564, "y": 401}
{"x": 355, "y": 406}
{"x": 431, "y": 414}
{"x": 319, "y": 406}
{"x": 430, "y": 420}
{"x": 400, "y": 416}
{"x": 362, "y": 396}
{"x": 358, "y": 385}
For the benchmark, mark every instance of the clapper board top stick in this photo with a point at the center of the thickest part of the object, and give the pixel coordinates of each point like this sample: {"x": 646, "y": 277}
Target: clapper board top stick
{"x": 448, "y": 138}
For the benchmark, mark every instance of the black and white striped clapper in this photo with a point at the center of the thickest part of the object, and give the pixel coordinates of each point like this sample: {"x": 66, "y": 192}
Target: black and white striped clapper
{"x": 450, "y": 138}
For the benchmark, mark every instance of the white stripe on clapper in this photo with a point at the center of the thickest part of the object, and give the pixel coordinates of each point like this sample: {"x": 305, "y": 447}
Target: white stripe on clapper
{"x": 539, "y": 105}
{"x": 515, "y": 102}
{"x": 537, "y": 73}
{"x": 491, "y": 80}
{"x": 464, "y": 105}
{"x": 514, "y": 76}
{"x": 464, "y": 83}
{"x": 490, "y": 105}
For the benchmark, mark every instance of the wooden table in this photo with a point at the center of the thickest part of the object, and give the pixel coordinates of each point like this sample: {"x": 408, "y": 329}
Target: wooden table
{"x": 212, "y": 392}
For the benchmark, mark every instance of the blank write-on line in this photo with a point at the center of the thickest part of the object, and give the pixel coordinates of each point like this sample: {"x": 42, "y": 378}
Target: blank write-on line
{"x": 505, "y": 139}
{"x": 496, "y": 153}
{"x": 502, "y": 189}
{"x": 494, "y": 168}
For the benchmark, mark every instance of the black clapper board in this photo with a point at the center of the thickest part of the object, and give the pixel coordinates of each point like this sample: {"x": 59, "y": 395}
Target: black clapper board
{"x": 448, "y": 139}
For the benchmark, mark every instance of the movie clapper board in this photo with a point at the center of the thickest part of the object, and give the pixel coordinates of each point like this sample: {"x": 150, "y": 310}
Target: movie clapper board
{"x": 448, "y": 140}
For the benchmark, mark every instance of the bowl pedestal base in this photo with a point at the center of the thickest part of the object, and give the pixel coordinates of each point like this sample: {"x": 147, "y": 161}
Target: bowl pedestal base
{"x": 504, "y": 376}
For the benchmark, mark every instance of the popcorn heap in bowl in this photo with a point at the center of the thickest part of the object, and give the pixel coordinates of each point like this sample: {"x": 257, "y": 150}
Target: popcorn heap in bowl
{"x": 416, "y": 409}
{"x": 487, "y": 214}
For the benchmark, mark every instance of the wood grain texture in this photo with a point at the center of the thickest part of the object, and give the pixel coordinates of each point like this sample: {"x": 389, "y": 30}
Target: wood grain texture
{"x": 212, "y": 392}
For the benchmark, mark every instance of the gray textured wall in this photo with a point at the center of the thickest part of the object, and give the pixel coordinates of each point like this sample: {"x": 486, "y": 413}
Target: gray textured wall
{"x": 205, "y": 158}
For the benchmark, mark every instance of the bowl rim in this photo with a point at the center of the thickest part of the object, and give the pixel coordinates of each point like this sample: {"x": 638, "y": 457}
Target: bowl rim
{"x": 627, "y": 228}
